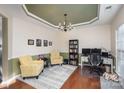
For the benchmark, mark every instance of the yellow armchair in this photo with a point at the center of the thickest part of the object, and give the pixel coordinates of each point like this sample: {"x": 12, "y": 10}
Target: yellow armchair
{"x": 29, "y": 67}
{"x": 56, "y": 58}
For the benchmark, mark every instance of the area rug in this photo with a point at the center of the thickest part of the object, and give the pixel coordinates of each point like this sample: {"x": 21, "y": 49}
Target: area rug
{"x": 109, "y": 84}
{"x": 52, "y": 77}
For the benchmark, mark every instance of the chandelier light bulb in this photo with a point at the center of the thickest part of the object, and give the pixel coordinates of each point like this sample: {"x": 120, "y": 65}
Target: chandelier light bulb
{"x": 66, "y": 25}
{"x": 64, "y": 22}
{"x": 59, "y": 24}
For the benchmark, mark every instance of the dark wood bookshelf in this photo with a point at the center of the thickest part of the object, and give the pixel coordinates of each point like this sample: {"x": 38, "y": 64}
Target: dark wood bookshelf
{"x": 73, "y": 52}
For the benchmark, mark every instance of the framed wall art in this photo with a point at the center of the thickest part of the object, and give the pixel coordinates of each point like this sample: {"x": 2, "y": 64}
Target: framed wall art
{"x": 38, "y": 42}
{"x": 30, "y": 42}
{"x": 45, "y": 42}
{"x": 50, "y": 43}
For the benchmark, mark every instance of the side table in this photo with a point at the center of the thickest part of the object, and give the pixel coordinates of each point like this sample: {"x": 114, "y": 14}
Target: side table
{"x": 65, "y": 61}
{"x": 46, "y": 61}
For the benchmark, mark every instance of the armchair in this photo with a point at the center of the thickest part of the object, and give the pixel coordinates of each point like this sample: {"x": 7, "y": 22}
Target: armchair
{"x": 29, "y": 67}
{"x": 56, "y": 58}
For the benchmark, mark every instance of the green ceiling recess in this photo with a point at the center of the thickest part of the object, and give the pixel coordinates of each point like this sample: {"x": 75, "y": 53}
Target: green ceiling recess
{"x": 54, "y": 13}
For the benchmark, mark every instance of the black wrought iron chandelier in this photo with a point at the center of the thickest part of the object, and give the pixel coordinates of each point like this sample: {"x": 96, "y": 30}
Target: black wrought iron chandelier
{"x": 66, "y": 25}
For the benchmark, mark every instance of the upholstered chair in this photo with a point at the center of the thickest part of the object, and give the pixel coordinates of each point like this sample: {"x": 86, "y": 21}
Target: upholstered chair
{"x": 30, "y": 67}
{"x": 56, "y": 58}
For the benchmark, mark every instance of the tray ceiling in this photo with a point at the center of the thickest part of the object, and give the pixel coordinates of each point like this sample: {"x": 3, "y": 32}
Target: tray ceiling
{"x": 54, "y": 13}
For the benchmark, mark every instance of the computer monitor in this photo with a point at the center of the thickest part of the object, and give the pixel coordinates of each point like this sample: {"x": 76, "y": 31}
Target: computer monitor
{"x": 96, "y": 50}
{"x": 105, "y": 54}
{"x": 86, "y": 51}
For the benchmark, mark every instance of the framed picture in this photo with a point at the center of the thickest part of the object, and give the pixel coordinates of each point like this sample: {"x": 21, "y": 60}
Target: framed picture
{"x": 38, "y": 42}
{"x": 30, "y": 42}
{"x": 45, "y": 43}
{"x": 50, "y": 43}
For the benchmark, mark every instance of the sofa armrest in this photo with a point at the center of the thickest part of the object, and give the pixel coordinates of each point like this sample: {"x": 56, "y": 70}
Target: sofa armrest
{"x": 27, "y": 69}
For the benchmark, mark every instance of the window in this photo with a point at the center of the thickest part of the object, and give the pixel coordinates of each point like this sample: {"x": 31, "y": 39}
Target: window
{"x": 120, "y": 50}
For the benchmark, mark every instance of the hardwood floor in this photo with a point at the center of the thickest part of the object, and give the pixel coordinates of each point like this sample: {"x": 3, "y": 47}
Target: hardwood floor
{"x": 19, "y": 85}
{"x": 75, "y": 81}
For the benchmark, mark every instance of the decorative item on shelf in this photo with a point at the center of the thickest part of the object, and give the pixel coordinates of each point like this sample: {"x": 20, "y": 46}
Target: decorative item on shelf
{"x": 76, "y": 56}
{"x": 71, "y": 46}
{"x": 75, "y": 51}
{"x": 70, "y": 50}
{"x": 45, "y": 43}
{"x": 66, "y": 25}
{"x": 50, "y": 43}
{"x": 75, "y": 42}
{"x": 30, "y": 42}
{"x": 38, "y": 42}
{"x": 76, "y": 46}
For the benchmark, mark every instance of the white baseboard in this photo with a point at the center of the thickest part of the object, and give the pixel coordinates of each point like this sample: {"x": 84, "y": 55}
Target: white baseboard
{"x": 10, "y": 81}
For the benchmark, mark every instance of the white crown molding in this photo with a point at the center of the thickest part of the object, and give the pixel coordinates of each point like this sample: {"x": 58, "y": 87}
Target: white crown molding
{"x": 74, "y": 25}
{"x": 86, "y": 23}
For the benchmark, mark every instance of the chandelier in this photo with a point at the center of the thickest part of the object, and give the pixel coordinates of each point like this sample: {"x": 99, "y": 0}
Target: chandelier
{"x": 66, "y": 25}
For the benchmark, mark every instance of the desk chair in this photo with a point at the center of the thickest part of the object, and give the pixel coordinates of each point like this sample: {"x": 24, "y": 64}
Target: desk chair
{"x": 95, "y": 61}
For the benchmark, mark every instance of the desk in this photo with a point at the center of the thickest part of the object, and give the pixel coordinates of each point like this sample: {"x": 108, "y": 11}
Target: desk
{"x": 108, "y": 61}
{"x": 85, "y": 62}
{"x": 65, "y": 61}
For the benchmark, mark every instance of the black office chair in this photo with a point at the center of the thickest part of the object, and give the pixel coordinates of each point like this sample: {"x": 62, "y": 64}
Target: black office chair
{"x": 95, "y": 61}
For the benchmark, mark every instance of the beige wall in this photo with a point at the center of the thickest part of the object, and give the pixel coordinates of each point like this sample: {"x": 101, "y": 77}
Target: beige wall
{"x": 89, "y": 37}
{"x": 118, "y": 20}
{"x": 24, "y": 30}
